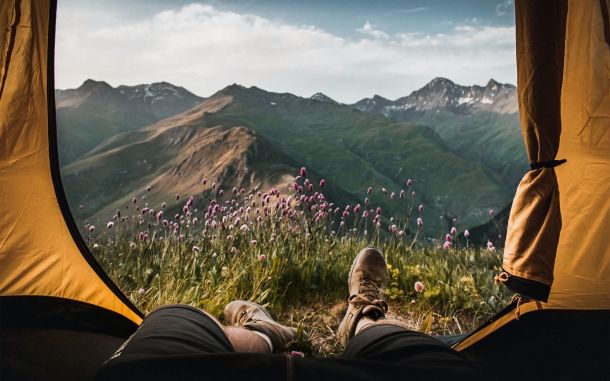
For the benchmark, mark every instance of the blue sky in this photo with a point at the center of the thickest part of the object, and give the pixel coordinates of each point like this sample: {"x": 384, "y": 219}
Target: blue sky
{"x": 348, "y": 49}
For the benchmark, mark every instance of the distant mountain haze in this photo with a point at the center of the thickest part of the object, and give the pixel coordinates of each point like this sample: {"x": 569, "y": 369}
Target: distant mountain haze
{"x": 461, "y": 146}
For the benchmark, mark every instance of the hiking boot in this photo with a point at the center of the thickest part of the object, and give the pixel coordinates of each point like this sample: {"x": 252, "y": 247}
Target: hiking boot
{"x": 255, "y": 317}
{"x": 367, "y": 280}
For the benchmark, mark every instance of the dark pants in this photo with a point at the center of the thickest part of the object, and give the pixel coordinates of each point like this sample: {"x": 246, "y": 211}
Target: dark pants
{"x": 181, "y": 342}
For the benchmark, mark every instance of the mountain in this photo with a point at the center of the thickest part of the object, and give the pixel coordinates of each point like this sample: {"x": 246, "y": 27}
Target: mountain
{"x": 479, "y": 123}
{"x": 247, "y": 136}
{"x": 95, "y": 111}
{"x": 162, "y": 99}
{"x": 323, "y": 98}
{"x": 443, "y": 94}
{"x": 172, "y": 157}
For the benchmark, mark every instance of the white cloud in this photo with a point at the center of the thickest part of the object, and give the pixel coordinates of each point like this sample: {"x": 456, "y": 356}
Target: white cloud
{"x": 204, "y": 49}
{"x": 504, "y": 7}
{"x": 370, "y": 30}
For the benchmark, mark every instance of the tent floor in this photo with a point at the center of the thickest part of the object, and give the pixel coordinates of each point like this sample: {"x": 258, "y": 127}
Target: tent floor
{"x": 548, "y": 345}
{"x": 53, "y": 354}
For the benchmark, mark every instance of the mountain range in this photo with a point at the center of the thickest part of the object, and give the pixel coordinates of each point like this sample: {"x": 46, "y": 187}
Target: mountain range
{"x": 460, "y": 145}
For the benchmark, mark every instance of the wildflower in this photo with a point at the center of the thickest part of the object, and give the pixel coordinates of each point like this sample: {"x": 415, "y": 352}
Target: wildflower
{"x": 234, "y": 250}
{"x": 230, "y": 237}
{"x": 109, "y": 225}
{"x": 204, "y": 181}
{"x": 141, "y": 292}
{"x": 491, "y": 212}
{"x": 385, "y": 191}
{"x": 393, "y": 195}
{"x": 409, "y": 183}
{"x": 221, "y": 192}
{"x": 402, "y": 193}
{"x": 297, "y": 354}
{"x": 420, "y": 208}
{"x": 253, "y": 242}
{"x": 96, "y": 246}
{"x": 413, "y": 194}
{"x": 91, "y": 228}
{"x": 466, "y": 233}
{"x": 134, "y": 200}
{"x": 420, "y": 222}
{"x": 177, "y": 196}
{"x": 378, "y": 211}
{"x": 342, "y": 224}
{"x": 148, "y": 188}
{"x": 244, "y": 228}
{"x": 185, "y": 209}
{"x": 357, "y": 209}
{"x": 448, "y": 237}
{"x": 165, "y": 223}
{"x": 132, "y": 245}
{"x": 303, "y": 172}
{"x": 490, "y": 246}
{"x": 369, "y": 191}
{"x": 163, "y": 205}
{"x": 365, "y": 214}
{"x": 447, "y": 245}
{"x": 401, "y": 233}
{"x": 453, "y": 231}
{"x": 322, "y": 183}
{"x": 196, "y": 249}
{"x": 262, "y": 257}
{"x": 159, "y": 215}
{"x": 419, "y": 286}
{"x": 394, "y": 229}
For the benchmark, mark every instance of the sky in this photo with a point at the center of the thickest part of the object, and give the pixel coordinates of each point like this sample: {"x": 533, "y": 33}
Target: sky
{"x": 347, "y": 49}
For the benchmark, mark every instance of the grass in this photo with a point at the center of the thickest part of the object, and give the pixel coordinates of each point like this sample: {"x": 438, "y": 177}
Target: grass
{"x": 291, "y": 253}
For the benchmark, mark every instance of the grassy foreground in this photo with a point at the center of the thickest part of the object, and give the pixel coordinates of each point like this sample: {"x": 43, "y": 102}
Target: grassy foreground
{"x": 292, "y": 252}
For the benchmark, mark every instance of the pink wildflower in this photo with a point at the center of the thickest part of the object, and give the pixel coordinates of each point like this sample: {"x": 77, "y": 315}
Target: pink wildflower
{"x": 453, "y": 231}
{"x": 447, "y": 245}
{"x": 303, "y": 172}
{"x": 466, "y": 233}
{"x": 419, "y": 286}
{"x": 141, "y": 292}
{"x": 322, "y": 183}
{"x": 409, "y": 183}
{"x": 262, "y": 257}
{"x": 109, "y": 225}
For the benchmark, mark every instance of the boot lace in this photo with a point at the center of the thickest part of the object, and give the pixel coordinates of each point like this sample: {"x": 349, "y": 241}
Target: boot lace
{"x": 369, "y": 294}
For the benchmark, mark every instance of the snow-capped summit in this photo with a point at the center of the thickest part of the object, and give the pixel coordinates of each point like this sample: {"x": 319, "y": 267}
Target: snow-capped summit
{"x": 444, "y": 94}
{"x": 321, "y": 97}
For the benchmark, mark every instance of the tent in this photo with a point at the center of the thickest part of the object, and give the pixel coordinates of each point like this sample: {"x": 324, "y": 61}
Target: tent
{"x": 61, "y": 316}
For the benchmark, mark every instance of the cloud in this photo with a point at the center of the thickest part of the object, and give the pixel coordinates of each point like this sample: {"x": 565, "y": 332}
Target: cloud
{"x": 504, "y": 7}
{"x": 204, "y": 49}
{"x": 411, "y": 10}
{"x": 369, "y": 29}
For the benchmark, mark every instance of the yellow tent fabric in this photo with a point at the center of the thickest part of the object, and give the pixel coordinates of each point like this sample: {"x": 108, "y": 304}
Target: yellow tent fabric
{"x": 535, "y": 220}
{"x": 38, "y": 254}
{"x": 582, "y": 268}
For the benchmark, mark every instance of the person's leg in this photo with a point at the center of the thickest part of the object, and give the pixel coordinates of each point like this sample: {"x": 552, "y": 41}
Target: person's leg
{"x": 257, "y": 320}
{"x": 368, "y": 336}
